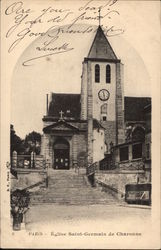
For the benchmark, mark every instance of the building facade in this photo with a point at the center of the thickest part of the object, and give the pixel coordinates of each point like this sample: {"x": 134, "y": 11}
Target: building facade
{"x": 79, "y": 129}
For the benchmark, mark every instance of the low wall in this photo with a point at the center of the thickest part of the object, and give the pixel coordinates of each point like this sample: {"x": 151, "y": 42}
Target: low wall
{"x": 116, "y": 180}
{"x": 131, "y": 165}
{"x": 27, "y": 178}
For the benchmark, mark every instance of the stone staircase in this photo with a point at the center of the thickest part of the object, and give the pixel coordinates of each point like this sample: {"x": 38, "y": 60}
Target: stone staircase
{"x": 69, "y": 187}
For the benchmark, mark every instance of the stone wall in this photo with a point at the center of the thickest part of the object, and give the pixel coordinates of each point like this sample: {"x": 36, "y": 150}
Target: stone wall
{"x": 78, "y": 155}
{"x": 74, "y": 149}
{"x": 118, "y": 179}
{"x": 84, "y": 92}
{"x": 81, "y": 150}
{"x": 27, "y": 178}
{"x": 98, "y": 144}
{"x": 110, "y": 132}
{"x": 131, "y": 165}
{"x": 45, "y": 146}
{"x": 90, "y": 113}
{"x": 119, "y": 104}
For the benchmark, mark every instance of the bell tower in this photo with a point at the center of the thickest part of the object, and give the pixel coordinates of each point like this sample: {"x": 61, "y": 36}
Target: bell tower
{"x": 102, "y": 91}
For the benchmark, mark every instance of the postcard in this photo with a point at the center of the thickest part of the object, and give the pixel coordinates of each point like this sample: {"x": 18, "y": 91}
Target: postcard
{"x": 80, "y": 124}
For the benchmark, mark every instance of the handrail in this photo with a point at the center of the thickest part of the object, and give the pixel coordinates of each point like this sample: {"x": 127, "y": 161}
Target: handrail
{"x": 110, "y": 187}
{"x": 91, "y": 169}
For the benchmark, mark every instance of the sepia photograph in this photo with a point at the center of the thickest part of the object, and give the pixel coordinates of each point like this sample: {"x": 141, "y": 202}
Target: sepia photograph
{"x": 80, "y": 123}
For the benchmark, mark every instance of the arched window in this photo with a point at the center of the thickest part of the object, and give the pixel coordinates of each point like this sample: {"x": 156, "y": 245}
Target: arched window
{"x": 104, "y": 112}
{"x": 104, "y": 108}
{"x": 138, "y": 134}
{"x": 108, "y": 74}
{"x": 97, "y": 73}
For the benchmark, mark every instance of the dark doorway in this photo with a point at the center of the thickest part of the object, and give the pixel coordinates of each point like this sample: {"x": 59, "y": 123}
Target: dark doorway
{"x": 61, "y": 154}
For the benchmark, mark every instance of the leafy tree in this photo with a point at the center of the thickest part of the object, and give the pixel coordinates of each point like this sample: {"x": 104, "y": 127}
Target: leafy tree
{"x": 20, "y": 200}
{"x": 15, "y": 141}
{"x": 32, "y": 142}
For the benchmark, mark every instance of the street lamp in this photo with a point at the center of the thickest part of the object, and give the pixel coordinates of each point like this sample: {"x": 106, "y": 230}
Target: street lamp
{"x": 33, "y": 147}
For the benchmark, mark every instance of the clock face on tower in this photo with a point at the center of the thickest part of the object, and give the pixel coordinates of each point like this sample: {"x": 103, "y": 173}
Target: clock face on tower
{"x": 103, "y": 94}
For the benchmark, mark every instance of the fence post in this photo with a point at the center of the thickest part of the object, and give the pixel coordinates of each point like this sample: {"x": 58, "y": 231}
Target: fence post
{"x": 33, "y": 159}
{"x": 14, "y": 159}
{"x": 47, "y": 160}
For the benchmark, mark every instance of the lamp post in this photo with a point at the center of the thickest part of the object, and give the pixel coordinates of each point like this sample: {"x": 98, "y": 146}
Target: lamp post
{"x": 34, "y": 158}
{"x": 34, "y": 147}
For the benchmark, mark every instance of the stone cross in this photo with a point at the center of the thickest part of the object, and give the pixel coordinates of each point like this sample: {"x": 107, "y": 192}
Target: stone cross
{"x": 61, "y": 115}
{"x": 99, "y": 17}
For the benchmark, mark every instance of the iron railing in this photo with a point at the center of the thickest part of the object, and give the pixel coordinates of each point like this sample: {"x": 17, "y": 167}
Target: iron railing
{"x": 91, "y": 169}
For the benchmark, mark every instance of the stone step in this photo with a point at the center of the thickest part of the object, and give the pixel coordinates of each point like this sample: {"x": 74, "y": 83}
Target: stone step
{"x": 66, "y": 179}
{"x": 50, "y": 200}
{"x": 72, "y": 198}
{"x": 66, "y": 192}
{"x": 64, "y": 184}
{"x": 72, "y": 191}
{"x": 71, "y": 187}
{"x": 67, "y": 187}
{"x": 82, "y": 202}
{"x": 74, "y": 177}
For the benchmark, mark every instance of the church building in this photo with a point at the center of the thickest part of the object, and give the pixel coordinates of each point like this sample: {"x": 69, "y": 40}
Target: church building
{"x": 79, "y": 129}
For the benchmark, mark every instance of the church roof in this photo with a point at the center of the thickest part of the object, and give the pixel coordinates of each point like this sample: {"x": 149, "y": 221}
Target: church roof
{"x": 68, "y": 103}
{"x": 71, "y": 106}
{"x": 134, "y": 108}
{"x": 60, "y": 126}
{"x": 101, "y": 48}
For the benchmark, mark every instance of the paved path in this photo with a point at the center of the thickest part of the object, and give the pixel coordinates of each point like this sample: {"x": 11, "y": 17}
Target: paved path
{"x": 67, "y": 217}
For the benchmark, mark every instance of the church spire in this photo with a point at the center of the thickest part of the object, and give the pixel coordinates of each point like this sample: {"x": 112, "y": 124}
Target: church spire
{"x": 101, "y": 48}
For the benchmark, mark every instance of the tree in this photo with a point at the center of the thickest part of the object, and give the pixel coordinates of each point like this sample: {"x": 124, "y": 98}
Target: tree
{"x": 20, "y": 200}
{"x": 32, "y": 142}
{"x": 15, "y": 141}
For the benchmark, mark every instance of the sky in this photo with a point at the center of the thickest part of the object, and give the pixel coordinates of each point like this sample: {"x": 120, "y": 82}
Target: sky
{"x": 61, "y": 73}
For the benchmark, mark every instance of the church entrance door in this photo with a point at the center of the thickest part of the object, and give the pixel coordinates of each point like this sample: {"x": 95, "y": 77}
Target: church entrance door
{"x": 61, "y": 154}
